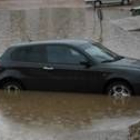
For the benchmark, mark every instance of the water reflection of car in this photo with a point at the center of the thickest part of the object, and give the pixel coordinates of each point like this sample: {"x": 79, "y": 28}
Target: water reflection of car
{"x": 100, "y": 2}
{"x": 68, "y": 65}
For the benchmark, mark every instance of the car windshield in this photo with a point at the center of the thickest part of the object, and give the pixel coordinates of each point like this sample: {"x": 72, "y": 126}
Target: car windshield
{"x": 101, "y": 54}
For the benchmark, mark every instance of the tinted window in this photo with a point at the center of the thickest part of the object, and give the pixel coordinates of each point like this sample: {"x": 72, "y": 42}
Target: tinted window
{"x": 29, "y": 54}
{"x": 64, "y": 54}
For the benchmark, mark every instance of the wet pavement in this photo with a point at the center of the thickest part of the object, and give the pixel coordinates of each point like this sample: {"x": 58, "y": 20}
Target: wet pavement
{"x": 44, "y": 23}
{"x": 61, "y": 116}
{"x": 33, "y": 4}
{"x": 78, "y": 21}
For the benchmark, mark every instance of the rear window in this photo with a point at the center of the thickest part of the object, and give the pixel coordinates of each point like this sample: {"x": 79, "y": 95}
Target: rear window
{"x": 6, "y": 54}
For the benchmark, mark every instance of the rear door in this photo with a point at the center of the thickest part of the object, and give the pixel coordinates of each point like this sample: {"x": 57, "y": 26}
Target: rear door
{"x": 28, "y": 62}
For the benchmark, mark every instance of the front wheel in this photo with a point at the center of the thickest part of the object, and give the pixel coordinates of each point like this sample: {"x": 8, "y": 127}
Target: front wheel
{"x": 12, "y": 86}
{"x": 97, "y": 3}
{"x": 119, "y": 89}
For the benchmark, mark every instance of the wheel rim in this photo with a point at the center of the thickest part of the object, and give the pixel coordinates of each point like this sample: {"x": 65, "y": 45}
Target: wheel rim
{"x": 12, "y": 88}
{"x": 97, "y": 4}
{"x": 120, "y": 91}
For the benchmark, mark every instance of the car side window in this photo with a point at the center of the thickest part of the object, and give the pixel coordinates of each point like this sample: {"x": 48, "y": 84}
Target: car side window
{"x": 64, "y": 55}
{"x": 29, "y": 54}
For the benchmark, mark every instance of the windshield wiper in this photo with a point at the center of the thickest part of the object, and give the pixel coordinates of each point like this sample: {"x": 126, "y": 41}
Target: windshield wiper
{"x": 119, "y": 58}
{"x": 113, "y": 60}
{"x": 105, "y": 61}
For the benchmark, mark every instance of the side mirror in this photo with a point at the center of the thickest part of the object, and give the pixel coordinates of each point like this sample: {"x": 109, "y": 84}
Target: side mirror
{"x": 85, "y": 63}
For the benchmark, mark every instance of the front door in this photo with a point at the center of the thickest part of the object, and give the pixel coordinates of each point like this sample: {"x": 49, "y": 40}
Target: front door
{"x": 65, "y": 69}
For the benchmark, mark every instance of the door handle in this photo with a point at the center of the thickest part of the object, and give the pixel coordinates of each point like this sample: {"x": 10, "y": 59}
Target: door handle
{"x": 48, "y": 68}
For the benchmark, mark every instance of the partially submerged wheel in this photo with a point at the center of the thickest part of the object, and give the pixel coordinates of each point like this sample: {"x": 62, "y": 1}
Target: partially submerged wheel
{"x": 119, "y": 89}
{"x": 12, "y": 86}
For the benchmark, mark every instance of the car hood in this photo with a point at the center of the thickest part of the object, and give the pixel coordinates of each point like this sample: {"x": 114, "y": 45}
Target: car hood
{"x": 128, "y": 62}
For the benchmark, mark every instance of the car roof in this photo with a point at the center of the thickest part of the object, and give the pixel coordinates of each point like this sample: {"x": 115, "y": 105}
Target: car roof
{"x": 75, "y": 43}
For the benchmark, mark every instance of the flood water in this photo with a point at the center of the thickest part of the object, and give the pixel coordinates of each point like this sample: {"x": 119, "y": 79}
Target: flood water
{"x": 66, "y": 116}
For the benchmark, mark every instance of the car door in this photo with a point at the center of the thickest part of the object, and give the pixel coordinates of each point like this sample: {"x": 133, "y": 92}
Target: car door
{"x": 66, "y": 68}
{"x": 28, "y": 62}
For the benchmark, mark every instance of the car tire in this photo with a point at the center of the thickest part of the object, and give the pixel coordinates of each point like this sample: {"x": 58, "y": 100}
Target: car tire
{"x": 97, "y": 3}
{"x": 119, "y": 89}
{"x": 12, "y": 86}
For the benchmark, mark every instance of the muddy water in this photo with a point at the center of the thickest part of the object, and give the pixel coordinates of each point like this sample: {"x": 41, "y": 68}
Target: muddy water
{"x": 61, "y": 116}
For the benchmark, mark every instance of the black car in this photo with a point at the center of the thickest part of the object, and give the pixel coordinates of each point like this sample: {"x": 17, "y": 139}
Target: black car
{"x": 68, "y": 65}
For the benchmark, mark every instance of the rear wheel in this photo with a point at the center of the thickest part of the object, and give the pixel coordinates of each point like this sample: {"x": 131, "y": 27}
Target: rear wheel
{"x": 12, "y": 86}
{"x": 119, "y": 89}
